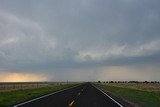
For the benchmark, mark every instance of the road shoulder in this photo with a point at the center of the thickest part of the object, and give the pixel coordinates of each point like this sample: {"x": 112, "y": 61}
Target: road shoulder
{"x": 119, "y": 99}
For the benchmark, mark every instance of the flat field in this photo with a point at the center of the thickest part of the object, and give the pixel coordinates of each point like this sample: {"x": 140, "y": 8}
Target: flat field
{"x": 26, "y": 91}
{"x": 140, "y": 94}
{"x": 139, "y": 86}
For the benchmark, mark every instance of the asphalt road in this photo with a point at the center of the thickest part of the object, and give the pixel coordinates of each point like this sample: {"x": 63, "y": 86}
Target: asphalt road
{"x": 85, "y": 95}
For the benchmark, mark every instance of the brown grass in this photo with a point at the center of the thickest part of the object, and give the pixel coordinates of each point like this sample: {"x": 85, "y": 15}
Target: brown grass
{"x": 139, "y": 86}
{"x": 4, "y": 87}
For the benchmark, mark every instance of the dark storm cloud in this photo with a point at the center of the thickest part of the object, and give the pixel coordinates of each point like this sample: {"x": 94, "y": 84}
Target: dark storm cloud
{"x": 52, "y": 34}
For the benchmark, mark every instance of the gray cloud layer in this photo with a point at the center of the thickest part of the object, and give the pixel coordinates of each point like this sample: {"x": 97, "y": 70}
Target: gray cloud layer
{"x": 52, "y": 35}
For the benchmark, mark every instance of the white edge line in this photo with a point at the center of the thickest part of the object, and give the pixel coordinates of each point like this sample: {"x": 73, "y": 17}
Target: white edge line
{"x": 43, "y": 96}
{"x": 108, "y": 96}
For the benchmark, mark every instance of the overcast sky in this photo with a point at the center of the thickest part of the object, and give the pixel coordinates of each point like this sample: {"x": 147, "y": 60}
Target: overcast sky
{"x": 79, "y": 40}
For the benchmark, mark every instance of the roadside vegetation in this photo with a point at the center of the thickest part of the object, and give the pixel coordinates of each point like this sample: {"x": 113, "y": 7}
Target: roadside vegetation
{"x": 11, "y": 97}
{"x": 143, "y": 94}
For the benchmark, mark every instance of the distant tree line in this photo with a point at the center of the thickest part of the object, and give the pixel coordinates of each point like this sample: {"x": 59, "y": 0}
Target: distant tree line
{"x": 129, "y": 82}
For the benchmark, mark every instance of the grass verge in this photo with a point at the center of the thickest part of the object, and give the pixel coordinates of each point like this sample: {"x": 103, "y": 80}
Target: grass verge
{"x": 140, "y": 97}
{"x": 12, "y": 97}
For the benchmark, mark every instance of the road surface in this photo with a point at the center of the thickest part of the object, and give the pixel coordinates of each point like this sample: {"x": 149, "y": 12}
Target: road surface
{"x": 85, "y": 95}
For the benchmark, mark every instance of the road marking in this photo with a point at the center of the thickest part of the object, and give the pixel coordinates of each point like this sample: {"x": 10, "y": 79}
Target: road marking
{"x": 44, "y": 96}
{"x": 108, "y": 96}
{"x": 71, "y": 103}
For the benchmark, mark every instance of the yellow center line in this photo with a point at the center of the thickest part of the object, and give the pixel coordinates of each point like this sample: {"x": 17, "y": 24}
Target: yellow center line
{"x": 71, "y": 103}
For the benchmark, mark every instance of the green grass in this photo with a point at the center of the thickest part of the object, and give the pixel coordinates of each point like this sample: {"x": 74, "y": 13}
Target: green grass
{"x": 12, "y": 97}
{"x": 143, "y": 98}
